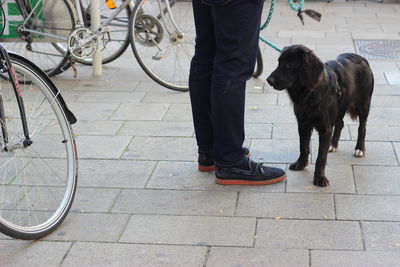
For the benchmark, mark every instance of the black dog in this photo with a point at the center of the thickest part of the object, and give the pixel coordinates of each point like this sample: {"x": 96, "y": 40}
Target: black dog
{"x": 321, "y": 95}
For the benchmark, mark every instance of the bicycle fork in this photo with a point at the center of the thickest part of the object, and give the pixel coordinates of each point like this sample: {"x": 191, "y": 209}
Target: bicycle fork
{"x": 6, "y": 67}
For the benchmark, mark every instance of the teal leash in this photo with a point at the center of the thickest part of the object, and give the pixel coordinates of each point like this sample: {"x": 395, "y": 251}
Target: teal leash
{"x": 295, "y": 7}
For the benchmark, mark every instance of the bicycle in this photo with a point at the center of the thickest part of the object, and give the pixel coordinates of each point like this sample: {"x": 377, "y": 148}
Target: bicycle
{"x": 38, "y": 157}
{"x": 162, "y": 41}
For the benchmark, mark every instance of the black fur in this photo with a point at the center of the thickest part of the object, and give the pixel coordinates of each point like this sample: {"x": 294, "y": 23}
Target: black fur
{"x": 321, "y": 95}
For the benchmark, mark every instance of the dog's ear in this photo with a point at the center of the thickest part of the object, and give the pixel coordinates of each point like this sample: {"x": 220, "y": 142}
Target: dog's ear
{"x": 310, "y": 70}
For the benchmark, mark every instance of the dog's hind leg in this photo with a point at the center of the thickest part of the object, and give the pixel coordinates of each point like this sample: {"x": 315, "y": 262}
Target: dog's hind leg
{"x": 359, "y": 150}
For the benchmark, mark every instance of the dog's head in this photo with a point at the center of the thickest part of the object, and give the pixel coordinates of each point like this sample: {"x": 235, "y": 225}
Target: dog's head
{"x": 298, "y": 66}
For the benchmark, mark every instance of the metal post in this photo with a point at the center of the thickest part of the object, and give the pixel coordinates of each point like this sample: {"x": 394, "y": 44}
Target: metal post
{"x": 95, "y": 19}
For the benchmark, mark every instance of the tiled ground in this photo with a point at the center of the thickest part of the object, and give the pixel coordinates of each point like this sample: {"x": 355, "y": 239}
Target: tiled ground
{"x": 141, "y": 202}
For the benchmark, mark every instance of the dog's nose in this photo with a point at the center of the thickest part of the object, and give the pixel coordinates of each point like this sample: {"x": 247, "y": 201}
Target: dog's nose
{"x": 271, "y": 80}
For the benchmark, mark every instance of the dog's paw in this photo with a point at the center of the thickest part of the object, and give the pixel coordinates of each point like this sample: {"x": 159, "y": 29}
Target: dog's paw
{"x": 321, "y": 181}
{"x": 297, "y": 166}
{"x": 358, "y": 153}
{"x": 332, "y": 148}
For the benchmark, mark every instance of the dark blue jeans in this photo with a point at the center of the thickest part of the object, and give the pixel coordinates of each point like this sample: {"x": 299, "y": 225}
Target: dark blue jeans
{"x": 226, "y": 46}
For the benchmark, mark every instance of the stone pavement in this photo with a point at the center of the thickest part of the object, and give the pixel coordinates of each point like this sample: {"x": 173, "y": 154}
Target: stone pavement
{"x": 141, "y": 201}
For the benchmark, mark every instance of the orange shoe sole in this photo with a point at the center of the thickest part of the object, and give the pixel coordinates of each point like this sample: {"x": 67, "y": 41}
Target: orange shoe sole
{"x": 245, "y": 182}
{"x": 206, "y": 168}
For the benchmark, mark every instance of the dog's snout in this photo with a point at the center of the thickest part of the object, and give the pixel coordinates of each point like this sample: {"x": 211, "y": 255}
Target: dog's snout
{"x": 271, "y": 80}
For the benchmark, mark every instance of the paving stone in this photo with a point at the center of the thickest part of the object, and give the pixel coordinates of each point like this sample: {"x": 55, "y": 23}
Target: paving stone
{"x": 157, "y": 128}
{"x": 255, "y": 100}
{"x": 167, "y": 96}
{"x": 387, "y": 90}
{"x": 323, "y": 258}
{"x": 362, "y": 207}
{"x": 23, "y": 253}
{"x": 235, "y": 257}
{"x": 105, "y": 147}
{"x": 274, "y": 150}
{"x": 114, "y": 173}
{"x": 94, "y": 200}
{"x": 184, "y": 175}
{"x": 82, "y": 254}
{"x": 95, "y": 127}
{"x": 378, "y": 153}
{"x": 179, "y": 112}
{"x": 193, "y": 230}
{"x": 290, "y": 131}
{"x": 340, "y": 177}
{"x": 301, "y": 34}
{"x": 92, "y": 111}
{"x": 381, "y": 236}
{"x": 378, "y": 133}
{"x": 384, "y": 116}
{"x": 258, "y": 130}
{"x": 111, "y": 97}
{"x": 393, "y": 78}
{"x": 150, "y": 86}
{"x": 175, "y": 202}
{"x": 95, "y": 227}
{"x": 377, "y": 180}
{"x": 385, "y": 101}
{"x": 147, "y": 111}
{"x": 298, "y": 234}
{"x": 397, "y": 150}
{"x": 293, "y": 206}
{"x": 101, "y": 85}
{"x": 270, "y": 114}
{"x": 162, "y": 148}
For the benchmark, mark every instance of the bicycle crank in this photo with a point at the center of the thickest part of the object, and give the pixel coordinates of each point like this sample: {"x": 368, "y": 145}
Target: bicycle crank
{"x": 82, "y": 43}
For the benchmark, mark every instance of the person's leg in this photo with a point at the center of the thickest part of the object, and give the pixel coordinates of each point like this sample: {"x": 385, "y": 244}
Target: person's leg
{"x": 201, "y": 70}
{"x": 237, "y": 31}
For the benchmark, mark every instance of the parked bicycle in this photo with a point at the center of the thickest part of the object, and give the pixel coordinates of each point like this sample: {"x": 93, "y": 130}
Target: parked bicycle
{"x": 38, "y": 158}
{"x": 46, "y": 32}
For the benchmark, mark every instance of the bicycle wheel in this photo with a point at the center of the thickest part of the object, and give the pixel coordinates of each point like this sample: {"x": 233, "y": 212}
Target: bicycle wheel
{"x": 164, "y": 51}
{"x": 51, "y": 17}
{"x": 37, "y": 183}
{"x": 259, "y": 64}
{"x": 118, "y": 29}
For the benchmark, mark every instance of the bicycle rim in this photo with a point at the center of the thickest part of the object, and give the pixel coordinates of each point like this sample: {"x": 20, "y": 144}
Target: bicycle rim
{"x": 163, "y": 52}
{"x": 50, "y": 54}
{"x": 37, "y": 183}
{"x": 118, "y": 30}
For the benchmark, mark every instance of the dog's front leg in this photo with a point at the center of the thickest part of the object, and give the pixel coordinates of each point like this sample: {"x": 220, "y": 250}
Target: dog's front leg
{"x": 319, "y": 173}
{"x": 305, "y": 132}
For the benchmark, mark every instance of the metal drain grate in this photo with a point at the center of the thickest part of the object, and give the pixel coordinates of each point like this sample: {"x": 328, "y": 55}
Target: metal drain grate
{"x": 378, "y": 49}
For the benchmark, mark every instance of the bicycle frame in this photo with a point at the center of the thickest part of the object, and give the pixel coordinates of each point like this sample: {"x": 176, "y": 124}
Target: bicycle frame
{"x": 6, "y": 67}
{"x": 27, "y": 14}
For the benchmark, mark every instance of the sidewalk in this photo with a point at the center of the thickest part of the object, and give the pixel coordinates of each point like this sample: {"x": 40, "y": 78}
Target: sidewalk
{"x": 138, "y": 204}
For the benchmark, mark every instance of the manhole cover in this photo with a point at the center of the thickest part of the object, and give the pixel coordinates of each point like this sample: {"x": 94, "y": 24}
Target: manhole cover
{"x": 378, "y": 49}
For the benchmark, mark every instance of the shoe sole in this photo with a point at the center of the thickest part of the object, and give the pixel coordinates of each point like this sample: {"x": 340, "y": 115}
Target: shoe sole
{"x": 247, "y": 182}
{"x": 206, "y": 168}
{"x": 211, "y": 168}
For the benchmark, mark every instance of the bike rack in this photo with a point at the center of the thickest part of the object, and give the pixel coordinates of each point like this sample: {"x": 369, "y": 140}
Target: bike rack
{"x": 97, "y": 58}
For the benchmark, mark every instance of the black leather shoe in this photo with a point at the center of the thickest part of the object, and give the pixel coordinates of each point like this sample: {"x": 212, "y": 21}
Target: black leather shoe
{"x": 207, "y": 160}
{"x": 248, "y": 172}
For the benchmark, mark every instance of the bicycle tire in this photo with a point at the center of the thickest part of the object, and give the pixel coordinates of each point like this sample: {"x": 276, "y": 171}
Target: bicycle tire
{"x": 259, "y": 64}
{"x": 49, "y": 165}
{"x": 118, "y": 29}
{"x": 169, "y": 67}
{"x": 57, "y": 18}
